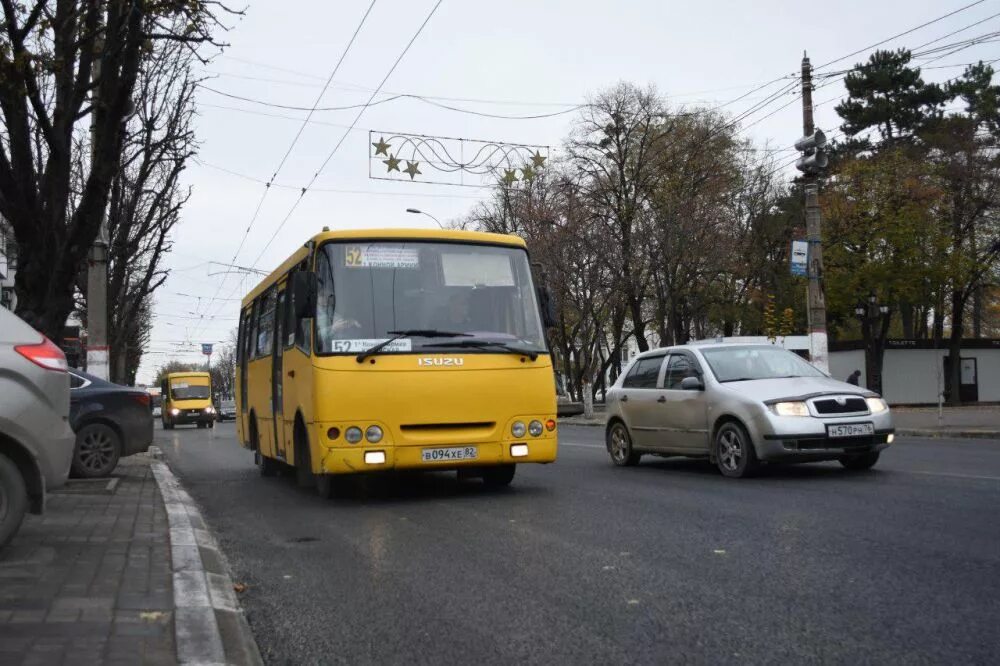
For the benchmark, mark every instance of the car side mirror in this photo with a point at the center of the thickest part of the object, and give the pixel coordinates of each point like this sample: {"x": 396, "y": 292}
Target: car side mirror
{"x": 692, "y": 384}
{"x": 548, "y": 306}
{"x": 304, "y": 294}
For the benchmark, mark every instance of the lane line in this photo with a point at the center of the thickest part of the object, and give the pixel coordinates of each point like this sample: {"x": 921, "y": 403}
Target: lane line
{"x": 583, "y": 446}
{"x": 953, "y": 475}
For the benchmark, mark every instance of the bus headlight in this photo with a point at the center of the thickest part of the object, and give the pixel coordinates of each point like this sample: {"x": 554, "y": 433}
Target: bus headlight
{"x": 353, "y": 435}
{"x": 535, "y": 428}
{"x": 518, "y": 450}
{"x": 175, "y": 411}
{"x": 518, "y": 429}
{"x": 373, "y": 434}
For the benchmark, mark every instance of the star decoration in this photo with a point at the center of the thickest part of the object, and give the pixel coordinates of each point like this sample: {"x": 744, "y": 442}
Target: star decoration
{"x": 392, "y": 163}
{"x": 381, "y": 148}
{"x": 538, "y": 160}
{"x": 509, "y": 176}
{"x": 527, "y": 173}
{"x": 411, "y": 168}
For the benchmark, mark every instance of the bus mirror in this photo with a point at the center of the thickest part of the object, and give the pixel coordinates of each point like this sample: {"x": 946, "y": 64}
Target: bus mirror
{"x": 304, "y": 294}
{"x": 548, "y": 306}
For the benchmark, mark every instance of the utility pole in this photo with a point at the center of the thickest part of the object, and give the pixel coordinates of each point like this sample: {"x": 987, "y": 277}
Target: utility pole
{"x": 97, "y": 260}
{"x": 812, "y": 162}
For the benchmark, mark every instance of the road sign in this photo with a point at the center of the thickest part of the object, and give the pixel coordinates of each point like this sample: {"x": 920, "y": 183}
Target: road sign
{"x": 800, "y": 258}
{"x": 206, "y": 348}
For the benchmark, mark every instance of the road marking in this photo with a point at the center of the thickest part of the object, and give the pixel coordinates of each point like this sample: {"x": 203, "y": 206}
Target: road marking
{"x": 583, "y": 446}
{"x": 954, "y": 475}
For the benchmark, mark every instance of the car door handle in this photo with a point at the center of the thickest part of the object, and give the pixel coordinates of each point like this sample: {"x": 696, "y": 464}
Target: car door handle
{"x": 662, "y": 398}
{"x": 624, "y": 398}
{"x": 291, "y": 373}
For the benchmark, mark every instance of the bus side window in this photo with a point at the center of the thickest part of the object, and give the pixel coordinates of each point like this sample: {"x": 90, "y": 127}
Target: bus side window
{"x": 265, "y": 324}
{"x": 252, "y": 336}
{"x": 288, "y": 328}
{"x": 241, "y": 332}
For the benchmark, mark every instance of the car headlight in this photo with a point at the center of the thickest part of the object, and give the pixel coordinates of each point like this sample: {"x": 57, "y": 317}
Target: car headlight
{"x": 796, "y": 408}
{"x": 373, "y": 434}
{"x": 535, "y": 428}
{"x": 876, "y": 405}
{"x": 175, "y": 411}
{"x": 518, "y": 429}
{"x": 353, "y": 435}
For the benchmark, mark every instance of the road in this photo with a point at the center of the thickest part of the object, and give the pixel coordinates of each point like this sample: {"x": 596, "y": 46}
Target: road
{"x": 582, "y": 562}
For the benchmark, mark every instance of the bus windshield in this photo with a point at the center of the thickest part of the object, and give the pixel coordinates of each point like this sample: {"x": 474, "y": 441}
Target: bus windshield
{"x": 367, "y": 289}
{"x": 183, "y": 390}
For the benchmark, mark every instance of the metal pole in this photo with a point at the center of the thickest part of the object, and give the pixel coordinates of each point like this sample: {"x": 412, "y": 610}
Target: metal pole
{"x": 816, "y": 301}
{"x": 97, "y": 261}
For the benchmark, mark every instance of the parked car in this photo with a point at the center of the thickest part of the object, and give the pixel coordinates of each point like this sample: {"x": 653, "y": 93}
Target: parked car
{"x": 36, "y": 441}
{"x": 227, "y": 410}
{"x": 157, "y": 412}
{"x": 739, "y": 406}
{"x": 111, "y": 421}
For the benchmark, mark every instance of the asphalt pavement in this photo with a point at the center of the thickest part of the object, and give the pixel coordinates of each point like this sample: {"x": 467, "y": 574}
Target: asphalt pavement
{"x": 582, "y": 562}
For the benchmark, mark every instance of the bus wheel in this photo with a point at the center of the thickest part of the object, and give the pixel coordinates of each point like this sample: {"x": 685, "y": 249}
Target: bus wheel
{"x": 498, "y": 476}
{"x": 268, "y": 466}
{"x": 304, "y": 476}
{"x": 326, "y": 486}
{"x": 167, "y": 425}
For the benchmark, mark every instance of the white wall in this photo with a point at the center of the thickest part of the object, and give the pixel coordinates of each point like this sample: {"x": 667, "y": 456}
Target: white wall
{"x": 913, "y": 376}
{"x": 843, "y": 363}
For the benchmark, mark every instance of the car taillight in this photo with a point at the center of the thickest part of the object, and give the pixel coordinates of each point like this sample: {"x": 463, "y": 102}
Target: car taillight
{"x": 44, "y": 354}
{"x": 141, "y": 398}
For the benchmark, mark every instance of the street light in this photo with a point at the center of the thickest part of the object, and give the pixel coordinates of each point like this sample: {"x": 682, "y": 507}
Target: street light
{"x": 417, "y": 211}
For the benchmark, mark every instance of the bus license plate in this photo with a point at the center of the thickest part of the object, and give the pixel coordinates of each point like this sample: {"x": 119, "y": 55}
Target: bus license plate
{"x": 850, "y": 430}
{"x": 450, "y": 453}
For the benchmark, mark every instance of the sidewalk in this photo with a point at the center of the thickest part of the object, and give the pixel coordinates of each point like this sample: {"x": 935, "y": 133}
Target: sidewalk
{"x": 974, "y": 421}
{"x": 97, "y": 580}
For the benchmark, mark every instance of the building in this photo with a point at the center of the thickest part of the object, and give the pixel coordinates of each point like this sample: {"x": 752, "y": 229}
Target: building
{"x": 7, "y": 265}
{"x": 914, "y": 372}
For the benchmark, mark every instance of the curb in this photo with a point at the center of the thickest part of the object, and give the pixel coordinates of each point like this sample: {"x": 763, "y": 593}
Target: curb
{"x": 942, "y": 434}
{"x": 901, "y": 432}
{"x": 209, "y": 624}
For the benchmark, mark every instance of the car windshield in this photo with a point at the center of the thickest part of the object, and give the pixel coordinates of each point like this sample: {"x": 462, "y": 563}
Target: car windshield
{"x": 733, "y": 364}
{"x": 185, "y": 391}
{"x": 367, "y": 289}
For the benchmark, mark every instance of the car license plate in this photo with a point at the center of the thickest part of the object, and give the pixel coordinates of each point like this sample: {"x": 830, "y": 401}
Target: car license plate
{"x": 850, "y": 430}
{"x": 450, "y": 453}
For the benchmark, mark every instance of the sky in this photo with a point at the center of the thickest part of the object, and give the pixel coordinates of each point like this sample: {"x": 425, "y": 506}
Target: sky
{"x": 524, "y": 58}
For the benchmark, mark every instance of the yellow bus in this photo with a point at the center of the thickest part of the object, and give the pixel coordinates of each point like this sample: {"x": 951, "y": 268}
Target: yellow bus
{"x": 186, "y": 397}
{"x": 392, "y": 349}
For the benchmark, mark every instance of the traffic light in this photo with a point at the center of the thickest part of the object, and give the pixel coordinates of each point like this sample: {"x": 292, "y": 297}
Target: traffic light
{"x": 813, "y": 158}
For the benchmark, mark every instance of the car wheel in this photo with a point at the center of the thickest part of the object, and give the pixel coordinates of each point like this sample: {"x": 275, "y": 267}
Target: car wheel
{"x": 98, "y": 448}
{"x": 862, "y": 462}
{"x": 13, "y": 499}
{"x": 734, "y": 452}
{"x": 620, "y": 446}
{"x": 499, "y": 476}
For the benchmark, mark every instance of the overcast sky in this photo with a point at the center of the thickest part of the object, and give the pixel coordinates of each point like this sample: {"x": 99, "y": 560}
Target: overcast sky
{"x": 551, "y": 52}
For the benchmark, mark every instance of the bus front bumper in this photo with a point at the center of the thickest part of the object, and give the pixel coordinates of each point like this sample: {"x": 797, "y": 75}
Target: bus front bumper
{"x": 374, "y": 458}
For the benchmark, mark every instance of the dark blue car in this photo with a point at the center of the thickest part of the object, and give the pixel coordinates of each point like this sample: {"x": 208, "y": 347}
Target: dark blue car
{"x": 110, "y": 421}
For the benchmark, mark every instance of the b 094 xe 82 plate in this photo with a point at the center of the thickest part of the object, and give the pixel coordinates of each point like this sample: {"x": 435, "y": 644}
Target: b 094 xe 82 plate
{"x": 447, "y": 454}
{"x": 850, "y": 430}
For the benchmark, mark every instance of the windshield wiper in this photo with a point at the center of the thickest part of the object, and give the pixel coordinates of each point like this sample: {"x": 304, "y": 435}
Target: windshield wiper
{"x": 530, "y": 353}
{"x": 408, "y": 333}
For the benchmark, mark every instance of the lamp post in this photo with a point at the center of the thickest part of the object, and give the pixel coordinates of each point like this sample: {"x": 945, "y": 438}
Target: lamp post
{"x": 417, "y": 211}
{"x": 874, "y": 318}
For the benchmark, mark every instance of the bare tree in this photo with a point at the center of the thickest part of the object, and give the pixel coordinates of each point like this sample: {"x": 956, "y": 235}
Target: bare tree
{"x": 48, "y": 49}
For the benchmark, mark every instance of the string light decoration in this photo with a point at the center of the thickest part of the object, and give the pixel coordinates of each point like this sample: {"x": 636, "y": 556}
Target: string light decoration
{"x": 442, "y": 160}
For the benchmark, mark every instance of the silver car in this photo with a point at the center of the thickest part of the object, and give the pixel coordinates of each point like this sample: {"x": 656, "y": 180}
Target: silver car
{"x": 740, "y": 406}
{"x": 36, "y": 441}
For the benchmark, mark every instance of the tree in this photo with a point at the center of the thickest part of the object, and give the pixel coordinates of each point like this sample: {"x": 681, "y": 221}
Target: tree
{"x": 49, "y": 99}
{"x": 223, "y": 370}
{"x": 887, "y": 94}
{"x": 146, "y": 199}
